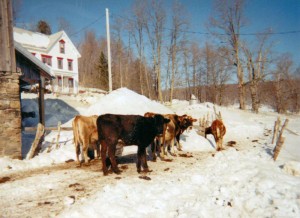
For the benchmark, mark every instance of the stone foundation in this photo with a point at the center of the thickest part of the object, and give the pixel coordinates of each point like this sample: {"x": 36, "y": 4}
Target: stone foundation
{"x": 10, "y": 115}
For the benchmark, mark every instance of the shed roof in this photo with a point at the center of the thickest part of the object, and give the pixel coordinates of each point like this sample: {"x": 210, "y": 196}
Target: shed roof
{"x": 34, "y": 60}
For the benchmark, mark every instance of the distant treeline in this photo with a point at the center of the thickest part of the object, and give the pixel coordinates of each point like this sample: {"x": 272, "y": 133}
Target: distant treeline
{"x": 286, "y": 101}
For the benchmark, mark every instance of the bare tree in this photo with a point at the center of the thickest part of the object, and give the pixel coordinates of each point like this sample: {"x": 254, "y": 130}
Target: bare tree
{"x": 281, "y": 76}
{"x": 117, "y": 28}
{"x": 256, "y": 67}
{"x": 154, "y": 25}
{"x": 229, "y": 18}
{"x": 64, "y": 25}
{"x": 90, "y": 54}
{"x": 217, "y": 73}
{"x": 179, "y": 23}
{"x": 137, "y": 26}
{"x": 186, "y": 66}
{"x": 197, "y": 76}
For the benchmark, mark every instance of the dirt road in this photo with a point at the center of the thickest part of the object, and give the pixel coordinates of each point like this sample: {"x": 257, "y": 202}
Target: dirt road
{"x": 49, "y": 190}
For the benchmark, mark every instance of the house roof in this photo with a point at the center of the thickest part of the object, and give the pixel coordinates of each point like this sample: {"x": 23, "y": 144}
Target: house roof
{"x": 39, "y": 41}
{"x": 34, "y": 60}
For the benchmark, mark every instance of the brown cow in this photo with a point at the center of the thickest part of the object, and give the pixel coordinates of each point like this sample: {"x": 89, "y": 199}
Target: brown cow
{"x": 132, "y": 130}
{"x": 85, "y": 133}
{"x": 172, "y": 131}
{"x": 185, "y": 122}
{"x": 175, "y": 128}
{"x": 218, "y": 130}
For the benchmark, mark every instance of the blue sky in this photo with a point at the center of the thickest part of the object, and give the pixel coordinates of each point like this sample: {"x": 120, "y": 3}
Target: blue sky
{"x": 279, "y": 15}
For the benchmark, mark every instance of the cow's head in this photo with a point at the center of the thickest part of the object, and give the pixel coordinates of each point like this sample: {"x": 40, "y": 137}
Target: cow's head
{"x": 159, "y": 123}
{"x": 186, "y": 122}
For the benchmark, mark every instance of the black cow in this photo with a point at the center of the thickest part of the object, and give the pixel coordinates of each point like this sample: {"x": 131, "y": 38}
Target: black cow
{"x": 132, "y": 130}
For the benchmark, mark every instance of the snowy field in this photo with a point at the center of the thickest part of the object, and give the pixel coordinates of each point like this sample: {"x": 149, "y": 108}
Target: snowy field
{"x": 240, "y": 181}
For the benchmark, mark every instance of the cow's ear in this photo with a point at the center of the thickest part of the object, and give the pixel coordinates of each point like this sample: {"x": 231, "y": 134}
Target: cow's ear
{"x": 180, "y": 118}
{"x": 166, "y": 120}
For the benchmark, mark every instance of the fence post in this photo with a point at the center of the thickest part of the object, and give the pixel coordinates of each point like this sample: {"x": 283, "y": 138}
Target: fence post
{"x": 280, "y": 141}
{"x": 36, "y": 145}
{"x": 58, "y": 134}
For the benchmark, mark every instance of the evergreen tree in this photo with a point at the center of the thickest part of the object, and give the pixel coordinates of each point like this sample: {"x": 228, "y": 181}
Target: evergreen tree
{"x": 102, "y": 69}
{"x": 43, "y": 27}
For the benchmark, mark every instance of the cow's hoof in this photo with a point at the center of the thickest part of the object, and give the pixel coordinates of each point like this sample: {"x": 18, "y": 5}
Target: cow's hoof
{"x": 147, "y": 170}
{"x": 179, "y": 149}
{"x": 174, "y": 155}
{"x": 118, "y": 171}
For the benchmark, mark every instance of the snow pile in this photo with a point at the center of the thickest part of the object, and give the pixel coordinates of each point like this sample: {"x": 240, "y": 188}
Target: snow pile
{"x": 230, "y": 184}
{"x": 242, "y": 181}
{"x": 125, "y": 101}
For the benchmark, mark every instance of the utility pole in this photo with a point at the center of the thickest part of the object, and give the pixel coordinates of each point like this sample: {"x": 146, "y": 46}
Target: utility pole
{"x": 108, "y": 51}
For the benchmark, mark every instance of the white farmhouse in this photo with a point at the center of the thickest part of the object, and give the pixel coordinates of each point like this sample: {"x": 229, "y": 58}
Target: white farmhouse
{"x": 58, "y": 52}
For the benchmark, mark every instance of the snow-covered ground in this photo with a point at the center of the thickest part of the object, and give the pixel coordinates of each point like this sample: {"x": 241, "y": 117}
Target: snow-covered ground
{"x": 241, "y": 181}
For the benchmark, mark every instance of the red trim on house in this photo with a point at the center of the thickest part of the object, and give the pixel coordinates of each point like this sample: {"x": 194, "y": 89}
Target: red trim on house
{"x": 70, "y": 60}
{"x": 59, "y": 58}
{"x": 62, "y": 41}
{"x": 46, "y": 56}
{"x": 33, "y": 53}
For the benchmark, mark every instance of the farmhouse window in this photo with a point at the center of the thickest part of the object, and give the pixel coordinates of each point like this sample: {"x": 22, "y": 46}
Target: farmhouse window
{"x": 46, "y": 59}
{"x": 62, "y": 46}
{"x": 59, "y": 81}
{"x": 70, "y": 81}
{"x": 60, "y": 63}
{"x": 70, "y": 64}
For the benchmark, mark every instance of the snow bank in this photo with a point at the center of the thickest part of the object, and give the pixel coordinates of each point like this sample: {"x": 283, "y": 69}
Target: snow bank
{"x": 230, "y": 184}
{"x": 125, "y": 101}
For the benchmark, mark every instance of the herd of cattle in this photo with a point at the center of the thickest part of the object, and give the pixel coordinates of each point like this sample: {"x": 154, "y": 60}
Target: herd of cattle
{"x": 159, "y": 131}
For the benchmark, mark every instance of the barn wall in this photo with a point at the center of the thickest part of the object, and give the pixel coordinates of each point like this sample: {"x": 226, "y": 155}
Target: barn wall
{"x": 10, "y": 116}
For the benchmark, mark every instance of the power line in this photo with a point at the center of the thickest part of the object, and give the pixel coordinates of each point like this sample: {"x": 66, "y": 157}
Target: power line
{"x": 224, "y": 34}
{"x": 90, "y": 24}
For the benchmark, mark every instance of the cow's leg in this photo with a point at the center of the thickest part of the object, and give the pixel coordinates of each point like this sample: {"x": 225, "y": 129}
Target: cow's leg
{"x": 172, "y": 147}
{"x": 103, "y": 157}
{"x": 221, "y": 143}
{"x": 179, "y": 146}
{"x": 97, "y": 150}
{"x": 77, "y": 148}
{"x": 163, "y": 150}
{"x": 153, "y": 150}
{"x": 111, "y": 155}
{"x": 85, "y": 151}
{"x": 218, "y": 144}
{"x": 142, "y": 159}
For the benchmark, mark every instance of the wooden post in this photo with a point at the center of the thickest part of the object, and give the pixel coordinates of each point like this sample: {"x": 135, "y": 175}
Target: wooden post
{"x": 280, "y": 140}
{"x": 58, "y": 134}
{"x": 42, "y": 100}
{"x": 10, "y": 106}
{"x": 220, "y": 116}
{"x": 276, "y": 128}
{"x": 216, "y": 115}
{"x": 36, "y": 145}
{"x": 7, "y": 59}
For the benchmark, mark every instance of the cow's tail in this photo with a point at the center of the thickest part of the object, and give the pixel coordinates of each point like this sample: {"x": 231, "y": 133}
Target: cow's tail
{"x": 218, "y": 132}
{"x": 75, "y": 132}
